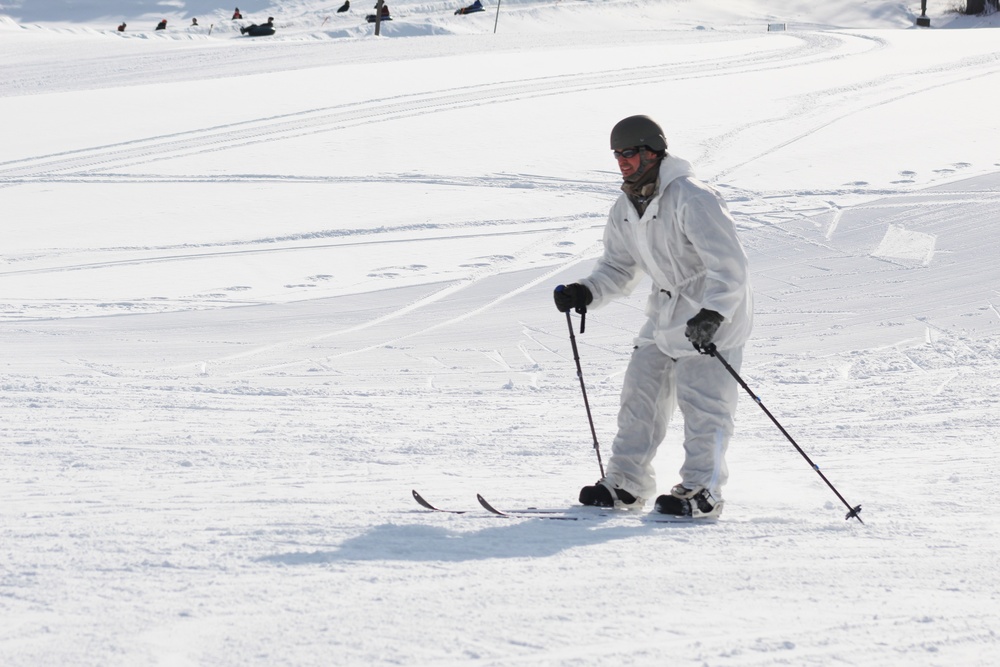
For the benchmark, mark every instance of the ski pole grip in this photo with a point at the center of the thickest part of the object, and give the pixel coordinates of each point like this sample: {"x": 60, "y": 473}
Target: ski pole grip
{"x": 582, "y": 310}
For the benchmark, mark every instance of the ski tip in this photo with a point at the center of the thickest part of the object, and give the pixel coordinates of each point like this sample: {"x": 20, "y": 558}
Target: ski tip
{"x": 487, "y": 506}
{"x": 420, "y": 499}
{"x": 423, "y": 503}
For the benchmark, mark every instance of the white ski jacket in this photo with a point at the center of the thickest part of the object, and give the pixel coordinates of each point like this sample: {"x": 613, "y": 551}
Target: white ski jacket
{"x": 686, "y": 243}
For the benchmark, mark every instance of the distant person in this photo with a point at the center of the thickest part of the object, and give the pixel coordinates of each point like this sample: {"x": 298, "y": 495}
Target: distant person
{"x": 162, "y": 25}
{"x": 236, "y": 14}
{"x": 385, "y": 14}
{"x": 344, "y": 7}
{"x": 261, "y": 30}
{"x": 476, "y": 6}
{"x": 194, "y": 23}
{"x": 121, "y": 28}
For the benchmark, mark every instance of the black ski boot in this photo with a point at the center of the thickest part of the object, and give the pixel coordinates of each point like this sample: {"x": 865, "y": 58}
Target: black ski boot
{"x": 690, "y": 503}
{"x": 599, "y": 495}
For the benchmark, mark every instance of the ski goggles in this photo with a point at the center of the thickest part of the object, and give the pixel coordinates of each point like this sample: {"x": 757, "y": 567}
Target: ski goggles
{"x": 627, "y": 153}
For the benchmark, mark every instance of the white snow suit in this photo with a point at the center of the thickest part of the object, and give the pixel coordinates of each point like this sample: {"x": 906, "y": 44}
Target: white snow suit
{"x": 686, "y": 243}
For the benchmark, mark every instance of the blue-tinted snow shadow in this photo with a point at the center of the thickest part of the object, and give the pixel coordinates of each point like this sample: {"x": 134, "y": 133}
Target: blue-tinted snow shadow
{"x": 504, "y": 539}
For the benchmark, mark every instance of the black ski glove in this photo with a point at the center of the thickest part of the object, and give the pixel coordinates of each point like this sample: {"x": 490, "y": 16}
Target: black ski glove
{"x": 702, "y": 327}
{"x": 572, "y": 296}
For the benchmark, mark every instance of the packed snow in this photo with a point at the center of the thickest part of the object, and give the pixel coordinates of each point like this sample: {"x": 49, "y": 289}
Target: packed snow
{"x": 254, "y": 291}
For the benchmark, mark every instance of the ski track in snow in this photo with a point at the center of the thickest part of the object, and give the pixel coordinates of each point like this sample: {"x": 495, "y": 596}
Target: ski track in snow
{"x": 82, "y": 165}
{"x": 312, "y": 121}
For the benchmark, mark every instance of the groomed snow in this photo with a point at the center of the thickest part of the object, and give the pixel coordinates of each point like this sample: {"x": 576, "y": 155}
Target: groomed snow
{"x": 254, "y": 291}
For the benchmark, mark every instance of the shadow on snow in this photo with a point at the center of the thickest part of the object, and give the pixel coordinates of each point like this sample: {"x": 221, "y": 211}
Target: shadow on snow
{"x": 510, "y": 539}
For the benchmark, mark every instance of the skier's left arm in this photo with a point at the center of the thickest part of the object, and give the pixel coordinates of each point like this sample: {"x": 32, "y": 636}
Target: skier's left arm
{"x": 711, "y": 229}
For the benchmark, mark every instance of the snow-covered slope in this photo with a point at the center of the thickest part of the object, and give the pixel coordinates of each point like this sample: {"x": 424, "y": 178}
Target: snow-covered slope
{"x": 253, "y": 292}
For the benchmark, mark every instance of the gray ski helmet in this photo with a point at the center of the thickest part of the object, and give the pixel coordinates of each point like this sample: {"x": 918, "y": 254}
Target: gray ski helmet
{"x": 638, "y": 131}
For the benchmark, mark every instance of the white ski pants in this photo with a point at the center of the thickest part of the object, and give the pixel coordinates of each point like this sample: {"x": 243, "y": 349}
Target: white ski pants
{"x": 654, "y": 385}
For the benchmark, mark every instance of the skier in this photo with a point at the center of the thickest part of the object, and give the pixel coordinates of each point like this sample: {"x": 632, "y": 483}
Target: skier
{"x": 237, "y": 14}
{"x": 262, "y": 30}
{"x": 679, "y": 232}
{"x": 162, "y": 25}
{"x": 344, "y": 7}
{"x": 122, "y": 27}
{"x": 385, "y": 14}
{"x": 476, "y": 6}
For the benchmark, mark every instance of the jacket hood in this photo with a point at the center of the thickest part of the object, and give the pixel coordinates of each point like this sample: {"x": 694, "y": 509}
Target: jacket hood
{"x": 672, "y": 168}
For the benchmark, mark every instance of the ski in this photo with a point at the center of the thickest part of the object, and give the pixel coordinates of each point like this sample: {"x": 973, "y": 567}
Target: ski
{"x": 556, "y": 515}
{"x": 584, "y": 512}
{"x": 580, "y": 512}
{"x": 656, "y": 517}
{"x": 423, "y": 503}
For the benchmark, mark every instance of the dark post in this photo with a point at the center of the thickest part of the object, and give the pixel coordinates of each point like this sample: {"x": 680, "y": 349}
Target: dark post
{"x": 378, "y": 16}
{"x": 922, "y": 20}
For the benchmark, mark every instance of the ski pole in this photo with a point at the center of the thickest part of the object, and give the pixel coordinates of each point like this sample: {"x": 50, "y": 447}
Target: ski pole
{"x": 579, "y": 374}
{"x": 855, "y": 512}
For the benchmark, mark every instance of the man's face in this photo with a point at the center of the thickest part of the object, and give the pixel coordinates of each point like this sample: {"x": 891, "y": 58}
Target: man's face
{"x": 629, "y": 159}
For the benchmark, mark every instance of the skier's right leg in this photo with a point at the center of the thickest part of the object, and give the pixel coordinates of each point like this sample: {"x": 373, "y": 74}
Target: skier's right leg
{"x": 647, "y": 402}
